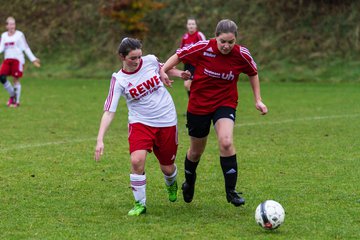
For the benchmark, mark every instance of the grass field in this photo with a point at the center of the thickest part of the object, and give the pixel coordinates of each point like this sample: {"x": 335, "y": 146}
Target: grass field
{"x": 304, "y": 154}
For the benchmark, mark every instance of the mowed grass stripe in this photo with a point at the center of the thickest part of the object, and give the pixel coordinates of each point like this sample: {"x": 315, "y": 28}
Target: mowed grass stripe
{"x": 71, "y": 141}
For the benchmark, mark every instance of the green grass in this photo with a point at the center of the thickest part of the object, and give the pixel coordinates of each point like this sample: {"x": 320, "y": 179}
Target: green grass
{"x": 303, "y": 154}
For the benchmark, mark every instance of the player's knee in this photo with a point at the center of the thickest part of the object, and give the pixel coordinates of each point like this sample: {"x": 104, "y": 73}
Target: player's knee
{"x": 225, "y": 144}
{"x": 195, "y": 154}
{"x": 3, "y": 79}
{"x": 168, "y": 169}
{"x": 137, "y": 165}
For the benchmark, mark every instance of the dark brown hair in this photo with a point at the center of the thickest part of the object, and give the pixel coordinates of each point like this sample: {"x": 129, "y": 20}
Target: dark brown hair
{"x": 127, "y": 45}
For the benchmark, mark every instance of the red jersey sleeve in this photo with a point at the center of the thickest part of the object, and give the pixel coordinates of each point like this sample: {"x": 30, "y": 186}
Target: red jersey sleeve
{"x": 182, "y": 44}
{"x": 251, "y": 69}
{"x": 189, "y": 54}
{"x": 201, "y": 36}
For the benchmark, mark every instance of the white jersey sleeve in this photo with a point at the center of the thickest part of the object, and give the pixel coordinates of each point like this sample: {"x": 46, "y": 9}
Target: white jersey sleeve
{"x": 114, "y": 94}
{"x": 25, "y": 47}
{"x": 2, "y": 43}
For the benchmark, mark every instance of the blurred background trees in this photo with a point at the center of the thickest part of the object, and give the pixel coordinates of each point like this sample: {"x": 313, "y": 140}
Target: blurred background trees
{"x": 87, "y": 31}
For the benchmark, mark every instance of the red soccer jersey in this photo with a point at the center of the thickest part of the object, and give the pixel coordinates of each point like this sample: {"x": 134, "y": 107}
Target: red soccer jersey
{"x": 216, "y": 75}
{"x": 189, "y": 39}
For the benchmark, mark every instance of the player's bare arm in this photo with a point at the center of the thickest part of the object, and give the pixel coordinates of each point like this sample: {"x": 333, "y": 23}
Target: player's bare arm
{"x": 255, "y": 84}
{"x": 36, "y": 63}
{"x": 169, "y": 64}
{"x": 174, "y": 72}
{"x": 104, "y": 125}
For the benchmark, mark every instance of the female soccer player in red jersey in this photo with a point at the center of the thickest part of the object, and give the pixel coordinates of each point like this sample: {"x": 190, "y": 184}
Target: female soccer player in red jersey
{"x": 214, "y": 97}
{"x": 152, "y": 118}
{"x": 13, "y": 43}
{"x": 192, "y": 36}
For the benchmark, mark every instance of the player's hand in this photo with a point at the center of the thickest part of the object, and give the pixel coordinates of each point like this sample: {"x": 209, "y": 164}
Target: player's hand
{"x": 186, "y": 75}
{"x": 261, "y": 107}
{"x": 99, "y": 150}
{"x": 36, "y": 63}
{"x": 165, "y": 78}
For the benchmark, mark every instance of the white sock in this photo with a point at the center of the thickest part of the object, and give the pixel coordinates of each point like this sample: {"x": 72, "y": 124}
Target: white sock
{"x": 9, "y": 88}
{"x": 138, "y": 185}
{"x": 17, "y": 90}
{"x": 169, "y": 180}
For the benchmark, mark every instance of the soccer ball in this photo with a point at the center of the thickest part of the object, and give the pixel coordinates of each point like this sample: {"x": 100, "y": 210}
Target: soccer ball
{"x": 270, "y": 214}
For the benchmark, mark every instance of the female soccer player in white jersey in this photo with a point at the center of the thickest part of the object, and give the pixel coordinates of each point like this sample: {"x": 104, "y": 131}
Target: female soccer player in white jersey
{"x": 13, "y": 43}
{"x": 152, "y": 118}
{"x": 214, "y": 97}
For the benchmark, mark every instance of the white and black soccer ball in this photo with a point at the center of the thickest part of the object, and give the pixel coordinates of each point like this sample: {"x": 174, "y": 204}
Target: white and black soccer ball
{"x": 270, "y": 214}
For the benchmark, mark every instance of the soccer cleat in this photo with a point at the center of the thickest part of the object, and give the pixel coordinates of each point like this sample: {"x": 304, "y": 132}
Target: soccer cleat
{"x": 137, "y": 209}
{"x": 12, "y": 100}
{"x": 188, "y": 191}
{"x": 15, "y": 105}
{"x": 172, "y": 191}
{"x": 233, "y": 197}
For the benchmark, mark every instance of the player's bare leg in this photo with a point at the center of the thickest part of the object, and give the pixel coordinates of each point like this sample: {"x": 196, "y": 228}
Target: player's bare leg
{"x": 224, "y": 128}
{"x": 192, "y": 158}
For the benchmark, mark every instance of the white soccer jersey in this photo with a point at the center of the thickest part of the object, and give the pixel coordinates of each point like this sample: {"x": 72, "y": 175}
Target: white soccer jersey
{"x": 14, "y": 46}
{"x": 147, "y": 99}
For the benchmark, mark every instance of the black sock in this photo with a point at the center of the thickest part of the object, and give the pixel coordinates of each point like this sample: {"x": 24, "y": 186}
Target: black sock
{"x": 230, "y": 169}
{"x": 190, "y": 171}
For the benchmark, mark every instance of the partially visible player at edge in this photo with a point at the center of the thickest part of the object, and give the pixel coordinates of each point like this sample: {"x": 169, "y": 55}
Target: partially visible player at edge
{"x": 214, "y": 97}
{"x": 192, "y": 36}
{"x": 152, "y": 118}
{"x": 13, "y": 43}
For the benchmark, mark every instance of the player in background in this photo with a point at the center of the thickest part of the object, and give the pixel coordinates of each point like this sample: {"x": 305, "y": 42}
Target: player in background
{"x": 191, "y": 37}
{"x": 214, "y": 97}
{"x": 13, "y": 43}
{"x": 152, "y": 118}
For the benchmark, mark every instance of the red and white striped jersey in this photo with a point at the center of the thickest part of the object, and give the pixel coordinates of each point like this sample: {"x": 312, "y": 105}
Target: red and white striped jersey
{"x": 147, "y": 99}
{"x": 189, "y": 39}
{"x": 14, "y": 46}
{"x": 216, "y": 75}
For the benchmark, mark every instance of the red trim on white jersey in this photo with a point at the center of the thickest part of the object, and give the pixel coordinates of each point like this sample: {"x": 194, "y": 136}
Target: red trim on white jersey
{"x": 110, "y": 95}
{"x": 14, "y": 47}
{"x": 147, "y": 99}
{"x": 137, "y": 69}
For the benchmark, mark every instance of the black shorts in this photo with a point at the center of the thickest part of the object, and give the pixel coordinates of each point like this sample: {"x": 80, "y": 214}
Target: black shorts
{"x": 189, "y": 67}
{"x": 199, "y": 125}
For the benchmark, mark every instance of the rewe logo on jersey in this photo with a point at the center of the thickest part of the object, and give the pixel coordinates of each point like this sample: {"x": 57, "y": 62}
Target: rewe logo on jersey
{"x": 145, "y": 87}
{"x": 9, "y": 44}
{"x": 226, "y": 76}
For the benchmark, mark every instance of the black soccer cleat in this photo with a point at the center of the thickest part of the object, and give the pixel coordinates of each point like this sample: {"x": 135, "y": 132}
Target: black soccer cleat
{"x": 233, "y": 197}
{"x": 188, "y": 191}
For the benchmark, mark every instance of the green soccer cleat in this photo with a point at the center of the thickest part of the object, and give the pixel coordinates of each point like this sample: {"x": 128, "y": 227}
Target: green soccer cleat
{"x": 137, "y": 209}
{"x": 172, "y": 191}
